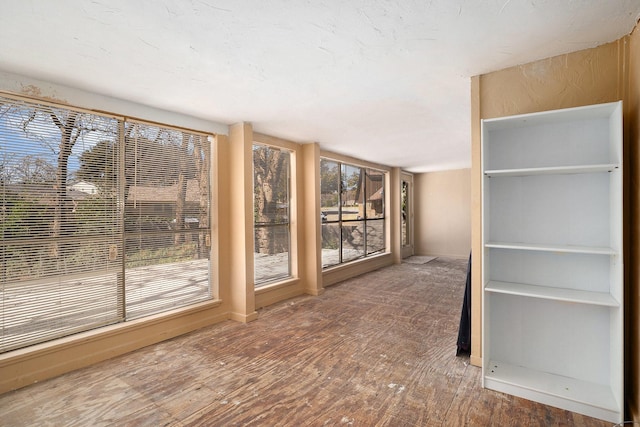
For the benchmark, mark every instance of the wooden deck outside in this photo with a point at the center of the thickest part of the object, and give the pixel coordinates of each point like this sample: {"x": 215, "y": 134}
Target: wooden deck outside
{"x": 377, "y": 350}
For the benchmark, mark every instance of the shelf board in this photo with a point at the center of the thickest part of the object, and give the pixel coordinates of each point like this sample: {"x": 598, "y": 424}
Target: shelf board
{"x": 555, "y": 386}
{"x": 554, "y": 170}
{"x": 587, "y": 112}
{"x": 556, "y": 294}
{"x": 594, "y": 250}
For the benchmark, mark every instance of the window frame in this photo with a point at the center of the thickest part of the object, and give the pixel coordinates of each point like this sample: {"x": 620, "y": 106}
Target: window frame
{"x": 290, "y": 213}
{"x": 340, "y": 222}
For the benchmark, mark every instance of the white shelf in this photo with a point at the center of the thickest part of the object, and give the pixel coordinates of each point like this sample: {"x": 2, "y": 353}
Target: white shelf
{"x": 552, "y": 293}
{"x": 552, "y": 264}
{"x": 552, "y": 248}
{"x": 510, "y": 378}
{"x": 587, "y": 112}
{"x": 555, "y": 170}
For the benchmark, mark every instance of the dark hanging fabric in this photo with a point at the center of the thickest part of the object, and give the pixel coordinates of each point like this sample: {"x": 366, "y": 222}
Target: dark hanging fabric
{"x": 464, "y": 331}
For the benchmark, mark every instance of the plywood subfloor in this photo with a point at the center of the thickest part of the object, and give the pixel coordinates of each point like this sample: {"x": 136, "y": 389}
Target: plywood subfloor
{"x": 377, "y": 350}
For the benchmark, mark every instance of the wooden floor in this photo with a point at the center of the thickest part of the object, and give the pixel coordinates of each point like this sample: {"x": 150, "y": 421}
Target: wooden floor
{"x": 377, "y": 350}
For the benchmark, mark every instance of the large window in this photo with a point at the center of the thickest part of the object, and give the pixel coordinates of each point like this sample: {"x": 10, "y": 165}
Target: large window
{"x": 101, "y": 220}
{"x": 352, "y": 212}
{"x": 271, "y": 206}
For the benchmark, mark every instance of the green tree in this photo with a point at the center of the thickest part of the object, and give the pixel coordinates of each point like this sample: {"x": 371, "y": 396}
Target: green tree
{"x": 98, "y": 165}
{"x": 329, "y": 176}
{"x": 329, "y": 183}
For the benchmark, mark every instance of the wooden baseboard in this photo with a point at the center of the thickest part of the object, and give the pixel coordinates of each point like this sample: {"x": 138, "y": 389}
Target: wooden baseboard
{"x": 314, "y": 291}
{"x": 244, "y": 318}
{"x": 475, "y": 360}
{"x": 272, "y": 294}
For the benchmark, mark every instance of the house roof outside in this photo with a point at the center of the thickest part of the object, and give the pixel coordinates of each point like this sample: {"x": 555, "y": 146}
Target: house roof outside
{"x": 83, "y": 187}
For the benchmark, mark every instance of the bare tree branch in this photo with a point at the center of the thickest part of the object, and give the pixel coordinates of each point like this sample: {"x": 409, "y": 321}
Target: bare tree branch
{"x": 29, "y": 119}
{"x": 55, "y": 119}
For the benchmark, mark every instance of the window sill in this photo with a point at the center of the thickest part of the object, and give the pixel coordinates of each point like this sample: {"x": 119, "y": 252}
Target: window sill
{"x": 268, "y": 287}
{"x": 338, "y": 273}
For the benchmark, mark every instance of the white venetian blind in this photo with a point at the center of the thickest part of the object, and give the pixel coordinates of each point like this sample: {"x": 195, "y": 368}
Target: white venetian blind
{"x": 167, "y": 205}
{"x": 60, "y": 227}
{"x": 101, "y": 220}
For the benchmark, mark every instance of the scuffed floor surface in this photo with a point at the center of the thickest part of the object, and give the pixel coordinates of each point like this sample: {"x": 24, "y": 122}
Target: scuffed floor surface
{"x": 377, "y": 350}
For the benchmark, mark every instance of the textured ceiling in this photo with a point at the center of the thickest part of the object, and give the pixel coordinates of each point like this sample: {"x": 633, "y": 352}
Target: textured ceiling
{"x": 384, "y": 81}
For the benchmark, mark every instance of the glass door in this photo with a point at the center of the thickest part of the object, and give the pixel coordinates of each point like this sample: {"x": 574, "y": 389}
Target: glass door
{"x": 406, "y": 212}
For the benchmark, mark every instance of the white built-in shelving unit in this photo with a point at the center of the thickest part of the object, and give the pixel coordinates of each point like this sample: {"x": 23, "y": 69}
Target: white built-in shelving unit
{"x": 552, "y": 268}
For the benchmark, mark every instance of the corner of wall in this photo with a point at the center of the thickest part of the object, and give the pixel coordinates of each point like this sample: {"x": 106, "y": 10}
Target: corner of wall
{"x": 632, "y": 296}
{"x": 476, "y": 226}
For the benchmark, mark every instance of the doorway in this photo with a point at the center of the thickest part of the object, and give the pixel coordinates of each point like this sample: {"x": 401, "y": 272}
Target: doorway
{"x": 406, "y": 214}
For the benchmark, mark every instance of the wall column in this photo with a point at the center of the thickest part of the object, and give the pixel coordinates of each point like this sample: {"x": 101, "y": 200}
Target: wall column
{"x": 312, "y": 244}
{"x": 393, "y": 211}
{"x": 240, "y": 179}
